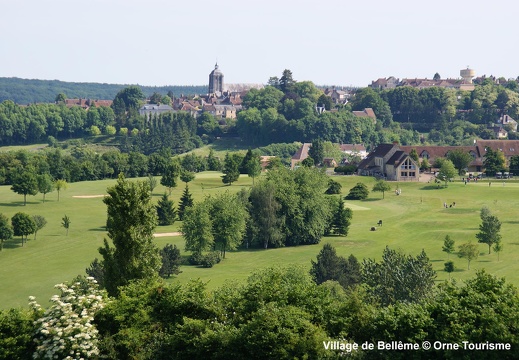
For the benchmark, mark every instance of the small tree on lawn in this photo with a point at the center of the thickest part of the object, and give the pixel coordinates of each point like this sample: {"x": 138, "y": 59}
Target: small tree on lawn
{"x": 187, "y": 176}
{"x": 449, "y": 267}
{"x": 25, "y": 184}
{"x": 45, "y": 184}
{"x": 498, "y": 247}
{"x": 468, "y": 251}
{"x": 23, "y": 225}
{"x": 489, "y": 231}
{"x": 60, "y": 184}
{"x": 40, "y": 223}
{"x": 152, "y": 182}
{"x": 333, "y": 187}
{"x": 166, "y": 212}
{"x": 447, "y": 171}
{"x": 170, "y": 176}
{"x": 170, "y": 261}
{"x": 381, "y": 186}
{"x": 341, "y": 219}
{"x": 186, "y": 201}
{"x": 65, "y": 222}
{"x": 6, "y": 231}
{"x": 448, "y": 245}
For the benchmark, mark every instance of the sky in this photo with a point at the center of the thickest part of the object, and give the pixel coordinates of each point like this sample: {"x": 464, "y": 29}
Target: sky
{"x": 328, "y": 42}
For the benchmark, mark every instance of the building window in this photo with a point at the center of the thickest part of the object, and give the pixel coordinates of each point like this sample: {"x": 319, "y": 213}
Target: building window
{"x": 412, "y": 174}
{"x": 404, "y": 173}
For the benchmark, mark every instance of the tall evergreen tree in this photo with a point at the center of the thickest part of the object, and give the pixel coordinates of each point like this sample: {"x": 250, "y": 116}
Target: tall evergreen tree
{"x": 341, "y": 219}
{"x": 166, "y": 211}
{"x": 132, "y": 219}
{"x": 170, "y": 261}
{"x": 231, "y": 169}
{"x": 186, "y": 201}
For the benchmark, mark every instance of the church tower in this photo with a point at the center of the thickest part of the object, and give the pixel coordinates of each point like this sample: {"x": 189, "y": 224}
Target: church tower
{"x": 216, "y": 81}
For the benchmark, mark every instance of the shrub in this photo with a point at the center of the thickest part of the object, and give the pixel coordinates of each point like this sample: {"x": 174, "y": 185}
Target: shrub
{"x": 358, "y": 192}
{"x": 345, "y": 169}
{"x": 333, "y": 187}
{"x": 196, "y": 258}
{"x": 209, "y": 260}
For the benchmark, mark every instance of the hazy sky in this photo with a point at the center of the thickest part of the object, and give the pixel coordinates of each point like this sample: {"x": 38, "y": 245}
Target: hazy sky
{"x": 173, "y": 42}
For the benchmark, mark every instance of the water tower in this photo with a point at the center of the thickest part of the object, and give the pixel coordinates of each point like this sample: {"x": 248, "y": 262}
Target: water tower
{"x": 467, "y": 75}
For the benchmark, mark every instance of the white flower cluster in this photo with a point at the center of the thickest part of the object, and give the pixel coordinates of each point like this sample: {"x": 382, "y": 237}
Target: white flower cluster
{"x": 65, "y": 330}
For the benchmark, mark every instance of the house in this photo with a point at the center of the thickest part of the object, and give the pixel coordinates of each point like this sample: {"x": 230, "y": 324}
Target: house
{"x": 154, "y": 109}
{"x": 507, "y": 120}
{"x": 264, "y": 161}
{"x": 300, "y": 155}
{"x": 385, "y": 83}
{"x": 366, "y": 113}
{"x": 499, "y": 132}
{"x": 338, "y": 96}
{"x": 390, "y": 162}
{"x": 354, "y": 150}
{"x": 433, "y": 152}
{"x": 329, "y": 162}
{"x": 87, "y": 103}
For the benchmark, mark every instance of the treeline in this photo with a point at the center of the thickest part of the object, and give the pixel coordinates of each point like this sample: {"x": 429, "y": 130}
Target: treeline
{"x": 84, "y": 163}
{"x": 30, "y": 91}
{"x": 278, "y": 313}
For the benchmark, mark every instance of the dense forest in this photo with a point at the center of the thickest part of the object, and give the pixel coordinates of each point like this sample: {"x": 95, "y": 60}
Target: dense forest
{"x": 30, "y": 91}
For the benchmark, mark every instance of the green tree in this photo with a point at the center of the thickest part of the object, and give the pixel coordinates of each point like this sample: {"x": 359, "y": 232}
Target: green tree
{"x": 152, "y": 183}
{"x": 460, "y": 159}
{"x": 170, "y": 175}
{"x": 316, "y": 151}
{"x": 23, "y": 225}
{"x": 489, "y": 231}
{"x": 307, "y": 162}
{"x": 468, "y": 251}
{"x": 334, "y": 187}
{"x": 170, "y": 261}
{"x": 25, "y": 184}
{"x": 286, "y": 82}
{"x": 132, "y": 218}
{"x": 330, "y": 266}
{"x": 213, "y": 163}
{"x": 187, "y": 176}
{"x": 494, "y": 161}
{"x": 65, "y": 222}
{"x": 45, "y": 184}
{"x": 498, "y": 247}
{"x": 399, "y": 277}
{"x": 186, "y": 201}
{"x": 358, "y": 192}
{"x": 514, "y": 164}
{"x": 166, "y": 211}
{"x": 60, "y": 98}
{"x": 381, "y": 186}
{"x": 264, "y": 213}
{"x": 17, "y": 329}
{"x": 6, "y": 231}
{"x": 228, "y": 217}
{"x": 39, "y": 222}
{"x": 60, "y": 184}
{"x": 449, "y": 267}
{"x": 341, "y": 219}
{"x": 447, "y": 171}
{"x": 448, "y": 245}
{"x": 231, "y": 168}
{"x": 197, "y": 228}
{"x": 414, "y": 155}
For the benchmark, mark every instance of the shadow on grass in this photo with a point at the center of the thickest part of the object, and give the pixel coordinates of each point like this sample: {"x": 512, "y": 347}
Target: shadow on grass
{"x": 514, "y": 222}
{"x": 101, "y": 228}
{"x": 371, "y": 200}
{"x": 19, "y": 203}
{"x": 432, "y": 187}
{"x": 13, "y": 243}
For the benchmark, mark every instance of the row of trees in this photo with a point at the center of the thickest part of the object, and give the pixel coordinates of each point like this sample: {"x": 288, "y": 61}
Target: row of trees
{"x": 22, "y": 225}
{"x": 279, "y": 313}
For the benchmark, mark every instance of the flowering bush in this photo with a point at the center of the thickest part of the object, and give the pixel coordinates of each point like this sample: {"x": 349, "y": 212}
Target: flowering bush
{"x": 65, "y": 330}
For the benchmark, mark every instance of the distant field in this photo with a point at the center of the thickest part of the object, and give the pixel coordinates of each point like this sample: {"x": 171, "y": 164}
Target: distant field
{"x": 414, "y": 220}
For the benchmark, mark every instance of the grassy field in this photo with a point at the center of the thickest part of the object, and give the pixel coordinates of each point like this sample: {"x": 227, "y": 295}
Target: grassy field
{"x": 413, "y": 221}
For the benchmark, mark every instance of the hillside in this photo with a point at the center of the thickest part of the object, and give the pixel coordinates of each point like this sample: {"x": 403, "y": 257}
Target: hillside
{"x": 25, "y": 91}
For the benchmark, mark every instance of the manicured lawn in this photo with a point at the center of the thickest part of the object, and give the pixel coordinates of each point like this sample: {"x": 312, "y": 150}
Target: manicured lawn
{"x": 413, "y": 221}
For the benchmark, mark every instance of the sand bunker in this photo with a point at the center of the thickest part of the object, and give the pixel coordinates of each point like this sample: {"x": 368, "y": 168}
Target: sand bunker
{"x": 88, "y": 196}
{"x": 167, "y": 234}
